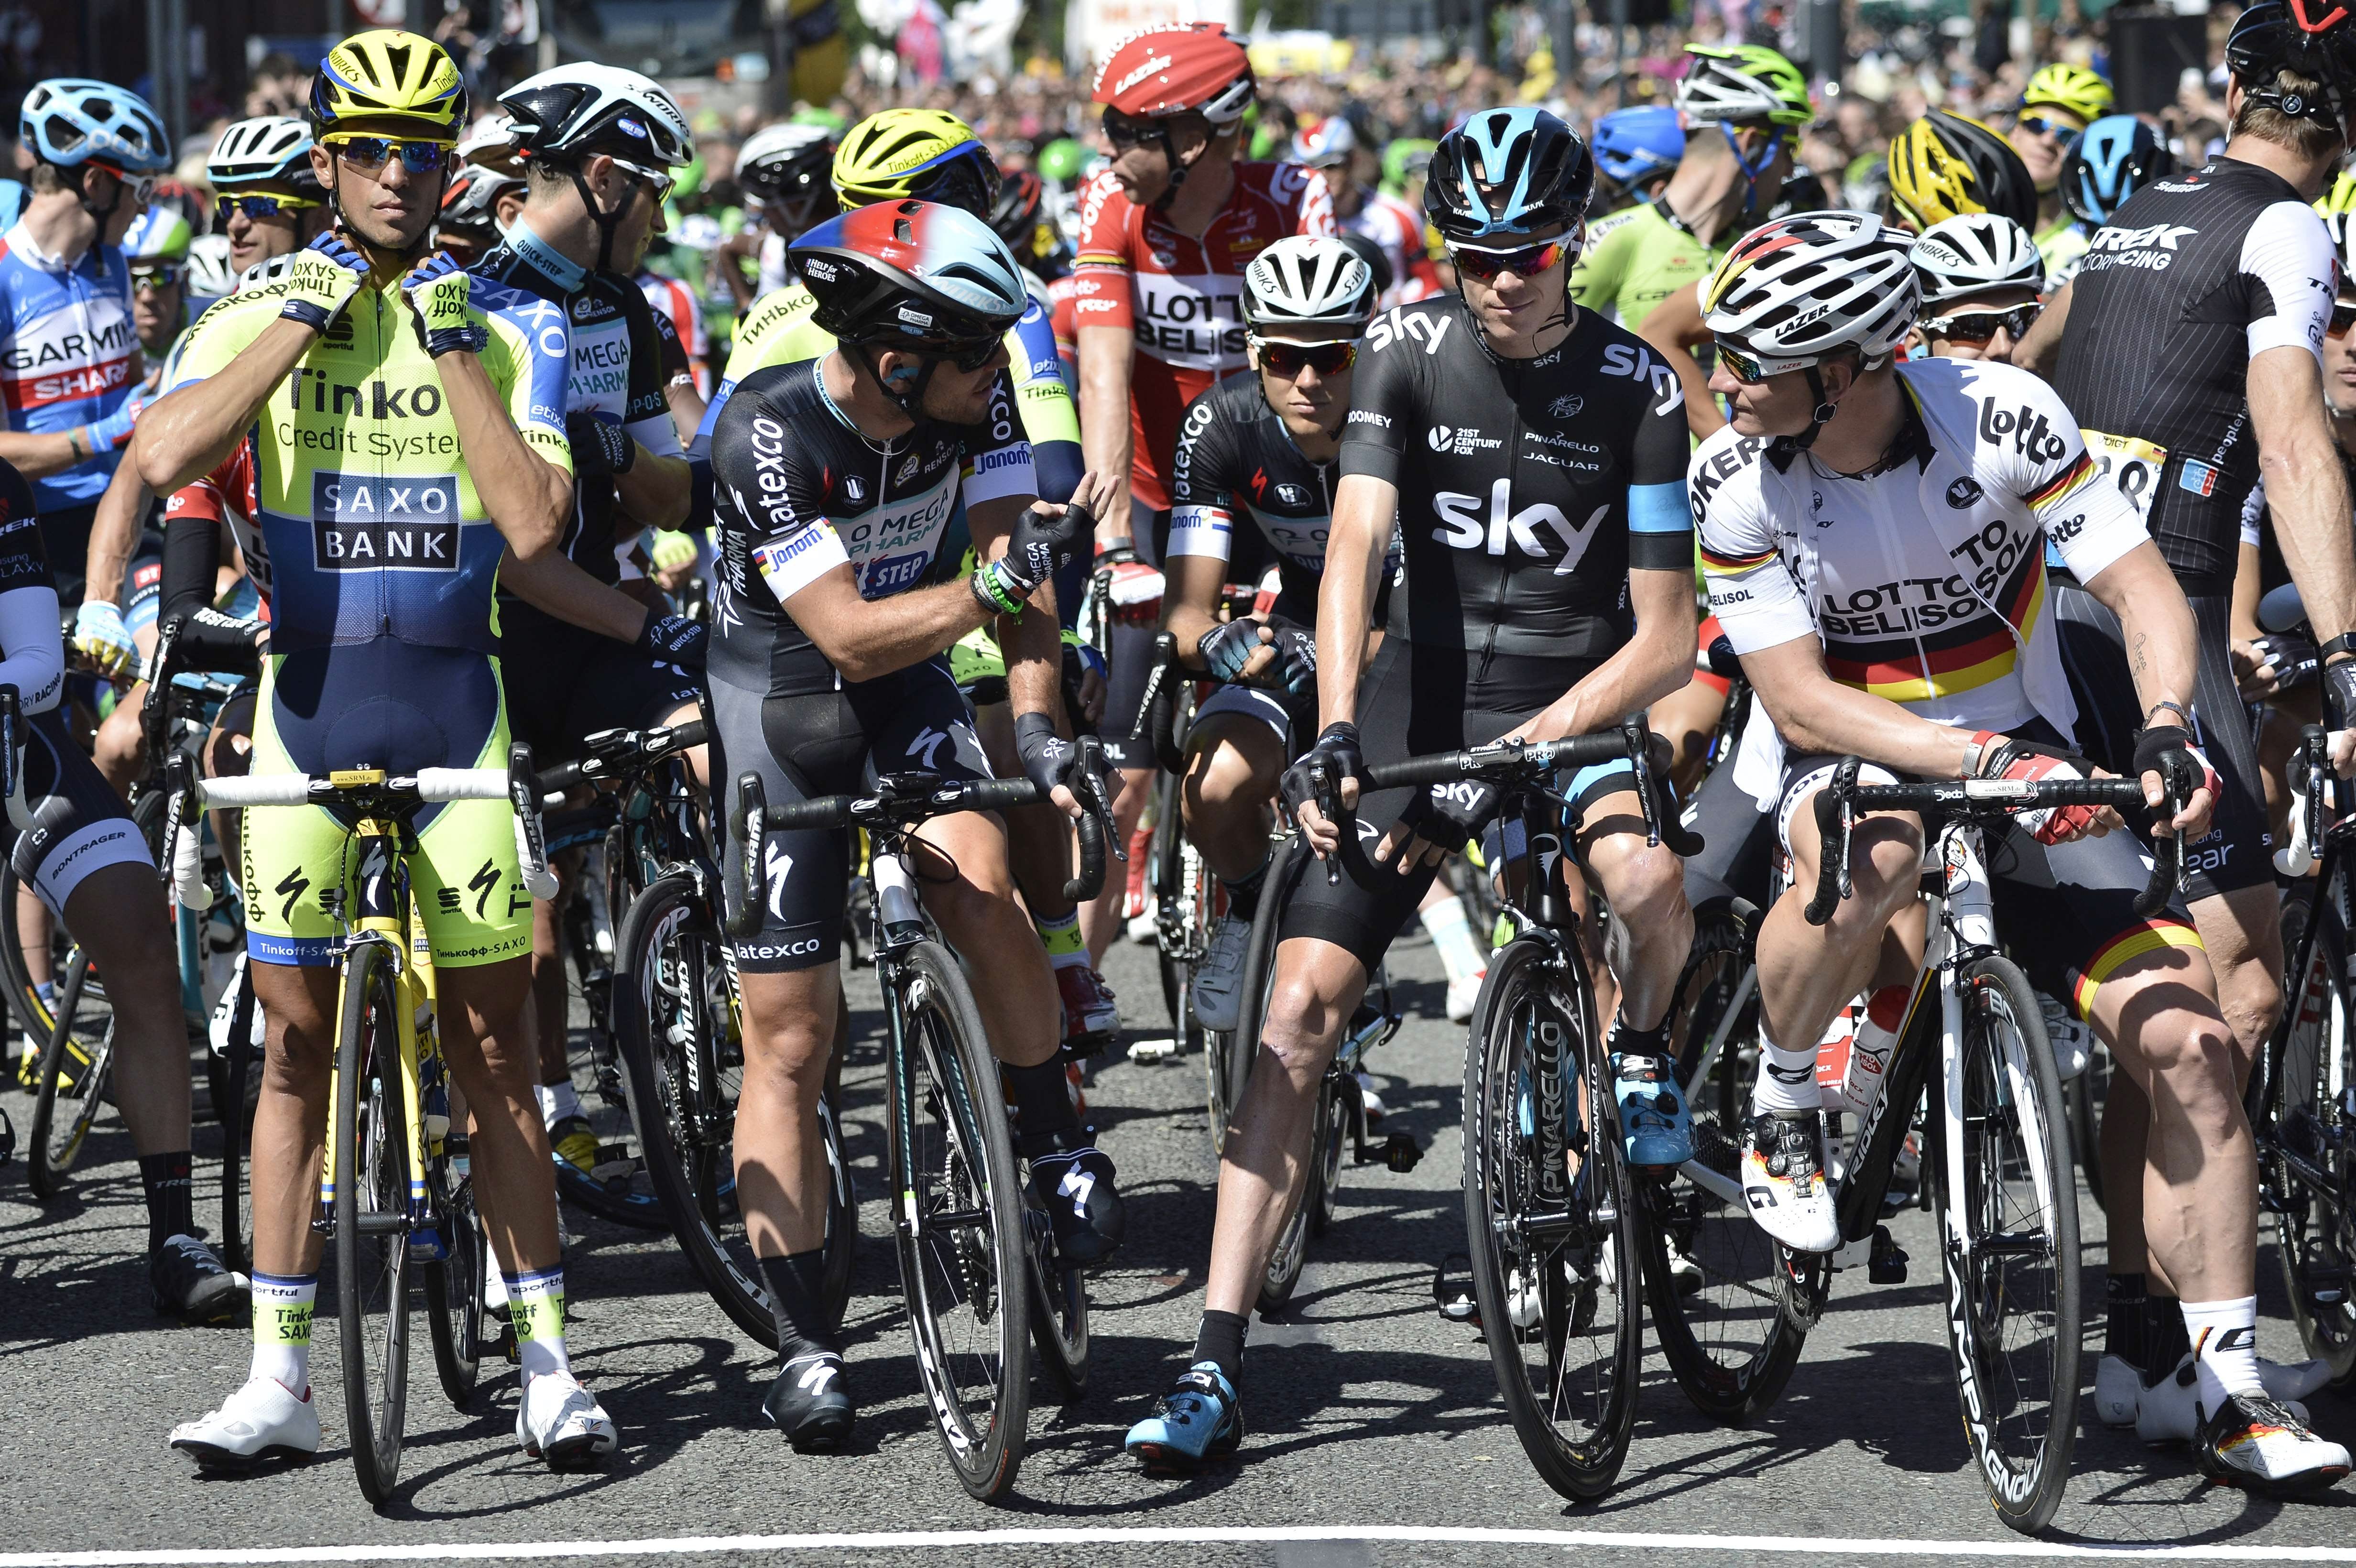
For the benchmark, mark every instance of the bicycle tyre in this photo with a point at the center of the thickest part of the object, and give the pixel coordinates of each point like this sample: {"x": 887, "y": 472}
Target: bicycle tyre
{"x": 2312, "y": 1229}
{"x": 51, "y": 1152}
{"x": 626, "y": 1199}
{"x": 1551, "y": 1297}
{"x": 842, "y": 1215}
{"x": 1059, "y": 1308}
{"x": 237, "y": 1129}
{"x": 671, "y": 912}
{"x": 1730, "y": 1342}
{"x": 371, "y": 1259}
{"x": 1229, "y": 1058}
{"x": 2023, "y": 1460}
{"x": 454, "y": 1290}
{"x": 978, "y": 1382}
{"x": 32, "y": 1015}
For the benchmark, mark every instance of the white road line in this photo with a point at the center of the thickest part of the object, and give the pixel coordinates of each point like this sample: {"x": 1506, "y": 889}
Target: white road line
{"x": 970, "y": 1540}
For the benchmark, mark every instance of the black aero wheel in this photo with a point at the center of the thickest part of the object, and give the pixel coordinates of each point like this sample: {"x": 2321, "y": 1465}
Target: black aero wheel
{"x": 683, "y": 1062}
{"x": 1549, "y": 1221}
{"x": 370, "y": 1206}
{"x": 241, "y": 1079}
{"x": 454, "y": 1289}
{"x": 2008, "y": 1214}
{"x": 1714, "y": 1279}
{"x": 1059, "y": 1309}
{"x": 1228, "y": 1059}
{"x": 964, "y": 1267}
{"x": 2315, "y": 1237}
{"x": 842, "y": 1214}
{"x": 72, "y": 1080}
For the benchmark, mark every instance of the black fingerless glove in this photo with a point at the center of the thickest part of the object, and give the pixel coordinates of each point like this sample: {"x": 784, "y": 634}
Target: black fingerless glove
{"x": 674, "y": 639}
{"x": 600, "y": 449}
{"x": 1452, "y": 815}
{"x": 1336, "y": 751}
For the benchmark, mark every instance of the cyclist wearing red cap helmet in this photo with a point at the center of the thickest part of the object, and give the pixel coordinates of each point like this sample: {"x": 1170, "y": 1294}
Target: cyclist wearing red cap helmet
{"x": 1166, "y": 231}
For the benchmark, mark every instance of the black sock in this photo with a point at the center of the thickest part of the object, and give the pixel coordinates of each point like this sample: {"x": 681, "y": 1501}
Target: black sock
{"x": 1627, "y": 1040}
{"x": 2122, "y": 1334}
{"x": 1043, "y": 1103}
{"x": 171, "y": 1201}
{"x": 796, "y": 1291}
{"x": 1243, "y": 893}
{"x": 2165, "y": 1342}
{"x": 1221, "y": 1340}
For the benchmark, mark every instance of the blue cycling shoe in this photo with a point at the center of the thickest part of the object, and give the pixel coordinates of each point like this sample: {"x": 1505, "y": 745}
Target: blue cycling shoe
{"x": 1652, "y": 1111}
{"x": 1200, "y": 1418}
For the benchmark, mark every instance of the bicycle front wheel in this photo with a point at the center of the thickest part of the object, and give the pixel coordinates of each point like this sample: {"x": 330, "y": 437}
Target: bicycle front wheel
{"x": 2008, "y": 1210}
{"x": 2309, "y": 1163}
{"x": 1549, "y": 1218}
{"x": 453, "y": 1291}
{"x": 73, "y": 1081}
{"x": 964, "y": 1270}
{"x": 371, "y": 1211}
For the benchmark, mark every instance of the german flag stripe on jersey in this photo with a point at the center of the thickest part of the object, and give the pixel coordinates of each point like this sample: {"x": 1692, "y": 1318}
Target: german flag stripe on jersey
{"x": 1734, "y": 565}
{"x": 1912, "y": 669}
{"x": 2080, "y": 472}
{"x": 2145, "y": 937}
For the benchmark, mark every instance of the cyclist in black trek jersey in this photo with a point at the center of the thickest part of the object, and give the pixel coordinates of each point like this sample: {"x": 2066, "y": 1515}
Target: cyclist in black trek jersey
{"x": 1251, "y": 486}
{"x": 835, "y": 479}
{"x": 597, "y": 145}
{"x": 2188, "y": 346}
{"x": 1532, "y": 454}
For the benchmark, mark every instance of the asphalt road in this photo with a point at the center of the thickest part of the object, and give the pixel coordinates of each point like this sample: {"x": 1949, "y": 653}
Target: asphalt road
{"x": 1374, "y": 1426}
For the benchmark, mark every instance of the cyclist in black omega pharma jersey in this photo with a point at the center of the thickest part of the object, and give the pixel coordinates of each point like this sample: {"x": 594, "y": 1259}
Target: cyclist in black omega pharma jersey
{"x": 2188, "y": 349}
{"x": 1532, "y": 455}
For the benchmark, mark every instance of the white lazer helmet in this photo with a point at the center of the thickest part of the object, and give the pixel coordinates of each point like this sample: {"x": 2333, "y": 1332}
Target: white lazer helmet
{"x": 1975, "y": 253}
{"x": 579, "y": 110}
{"x": 1308, "y": 281}
{"x": 1801, "y": 287}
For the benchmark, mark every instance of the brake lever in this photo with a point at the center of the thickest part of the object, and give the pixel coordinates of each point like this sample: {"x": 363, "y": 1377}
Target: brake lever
{"x": 1329, "y": 805}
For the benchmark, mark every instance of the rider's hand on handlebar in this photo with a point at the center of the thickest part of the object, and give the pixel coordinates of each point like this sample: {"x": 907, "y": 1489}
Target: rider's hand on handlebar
{"x": 1438, "y": 823}
{"x": 1052, "y": 763}
{"x": 2340, "y": 714}
{"x": 1337, "y": 751}
{"x": 100, "y": 637}
{"x": 2163, "y": 750}
{"x": 2010, "y": 757}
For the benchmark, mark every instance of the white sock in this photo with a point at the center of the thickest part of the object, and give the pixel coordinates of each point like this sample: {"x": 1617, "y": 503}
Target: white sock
{"x": 1451, "y": 933}
{"x": 1787, "y": 1078}
{"x": 2224, "y": 1336}
{"x": 557, "y": 1101}
{"x": 281, "y": 1328}
{"x": 536, "y": 1307}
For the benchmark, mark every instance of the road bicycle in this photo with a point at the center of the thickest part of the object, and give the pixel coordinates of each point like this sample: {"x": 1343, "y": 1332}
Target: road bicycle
{"x": 395, "y": 1191}
{"x": 979, "y": 1270}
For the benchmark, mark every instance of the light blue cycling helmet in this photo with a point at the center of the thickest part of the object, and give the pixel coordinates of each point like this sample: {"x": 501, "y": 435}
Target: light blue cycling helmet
{"x": 2115, "y": 157}
{"x": 1633, "y": 145}
{"x": 70, "y": 119}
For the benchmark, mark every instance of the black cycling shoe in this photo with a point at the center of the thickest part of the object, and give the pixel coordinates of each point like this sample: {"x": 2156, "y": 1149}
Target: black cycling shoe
{"x": 1075, "y": 1185}
{"x": 808, "y": 1404}
{"x": 191, "y": 1284}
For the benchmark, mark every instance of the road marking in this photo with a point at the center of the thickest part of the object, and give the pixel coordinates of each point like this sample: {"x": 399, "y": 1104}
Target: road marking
{"x": 968, "y": 1539}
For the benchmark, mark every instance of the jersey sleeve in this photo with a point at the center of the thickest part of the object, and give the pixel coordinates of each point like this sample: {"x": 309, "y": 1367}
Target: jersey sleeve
{"x": 675, "y": 365}
{"x": 1752, "y": 593}
{"x": 1103, "y": 272}
{"x": 220, "y": 335}
{"x": 2290, "y": 267}
{"x": 1316, "y": 206}
{"x": 646, "y": 416}
{"x": 30, "y": 638}
{"x": 1601, "y": 268}
{"x": 529, "y": 359}
{"x": 1201, "y": 481}
{"x": 764, "y": 490}
{"x": 2075, "y": 499}
{"x": 996, "y": 454}
{"x": 1660, "y": 518}
{"x": 1049, "y": 419}
{"x": 1385, "y": 401}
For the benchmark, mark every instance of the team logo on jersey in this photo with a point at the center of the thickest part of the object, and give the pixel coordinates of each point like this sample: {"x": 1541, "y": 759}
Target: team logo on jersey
{"x": 368, "y": 522}
{"x": 853, "y": 488}
{"x": 908, "y": 469}
{"x": 1462, "y": 441}
{"x": 1964, "y": 493}
{"x": 1394, "y": 328}
{"x": 1292, "y": 495}
{"x": 2031, "y": 435}
{"x": 583, "y": 308}
{"x": 1566, "y": 406}
{"x": 1464, "y": 525}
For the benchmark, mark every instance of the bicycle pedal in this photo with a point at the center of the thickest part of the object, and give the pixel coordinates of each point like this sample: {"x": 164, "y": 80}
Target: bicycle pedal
{"x": 614, "y": 1163}
{"x": 1452, "y": 1290}
{"x": 1887, "y": 1265}
{"x": 1401, "y": 1152}
{"x": 1160, "y": 1048}
{"x": 1087, "y": 1047}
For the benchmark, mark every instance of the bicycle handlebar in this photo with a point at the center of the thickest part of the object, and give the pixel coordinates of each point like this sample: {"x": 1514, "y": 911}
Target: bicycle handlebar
{"x": 1839, "y": 801}
{"x": 618, "y": 753}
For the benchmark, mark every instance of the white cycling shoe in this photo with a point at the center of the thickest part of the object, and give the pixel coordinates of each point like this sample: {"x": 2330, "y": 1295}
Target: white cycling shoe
{"x": 2117, "y": 1385}
{"x": 1783, "y": 1177}
{"x": 1219, "y": 977}
{"x": 2169, "y": 1411}
{"x": 561, "y": 1421}
{"x": 1462, "y": 993}
{"x": 262, "y": 1420}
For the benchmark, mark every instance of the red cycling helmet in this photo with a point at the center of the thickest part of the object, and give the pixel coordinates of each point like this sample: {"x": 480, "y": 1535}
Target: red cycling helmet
{"x": 1197, "y": 68}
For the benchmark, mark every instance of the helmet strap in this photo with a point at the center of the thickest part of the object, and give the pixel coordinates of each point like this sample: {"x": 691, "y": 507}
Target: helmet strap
{"x": 606, "y": 221}
{"x": 81, "y": 191}
{"x": 912, "y": 399}
{"x": 1750, "y": 171}
{"x": 1178, "y": 168}
{"x": 1785, "y": 446}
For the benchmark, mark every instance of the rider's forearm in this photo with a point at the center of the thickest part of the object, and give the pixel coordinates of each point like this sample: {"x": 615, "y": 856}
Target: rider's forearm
{"x": 528, "y": 499}
{"x": 866, "y": 641}
{"x": 654, "y": 493}
{"x": 39, "y": 457}
{"x": 553, "y": 582}
{"x": 2307, "y": 489}
{"x": 2155, "y": 626}
{"x": 114, "y": 534}
{"x": 1345, "y": 602}
{"x": 1106, "y": 434}
{"x": 1189, "y": 623}
{"x": 1649, "y": 666}
{"x": 1822, "y": 717}
{"x": 185, "y": 434}
{"x": 1034, "y": 645}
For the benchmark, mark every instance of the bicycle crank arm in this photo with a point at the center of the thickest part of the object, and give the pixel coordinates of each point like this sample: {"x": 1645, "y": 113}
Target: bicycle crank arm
{"x": 1719, "y": 1186}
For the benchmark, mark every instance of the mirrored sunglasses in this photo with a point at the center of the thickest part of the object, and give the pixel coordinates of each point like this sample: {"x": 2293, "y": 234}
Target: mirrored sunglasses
{"x": 226, "y": 207}
{"x": 368, "y": 154}
{"x": 1981, "y": 325}
{"x": 1286, "y": 359}
{"x": 1524, "y": 261}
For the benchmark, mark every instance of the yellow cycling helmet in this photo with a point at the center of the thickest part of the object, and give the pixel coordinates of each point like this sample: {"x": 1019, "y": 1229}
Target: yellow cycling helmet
{"x": 1945, "y": 165}
{"x": 2070, "y": 87}
{"x": 1743, "y": 85}
{"x": 392, "y": 81}
{"x": 922, "y": 153}
{"x": 2340, "y": 198}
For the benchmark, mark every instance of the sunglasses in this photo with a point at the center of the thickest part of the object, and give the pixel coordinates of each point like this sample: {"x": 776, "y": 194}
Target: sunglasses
{"x": 367, "y": 154}
{"x": 968, "y": 181}
{"x": 1981, "y": 325}
{"x": 158, "y": 278}
{"x": 1751, "y": 368}
{"x": 2038, "y": 125}
{"x": 661, "y": 181}
{"x": 227, "y": 207}
{"x": 968, "y": 354}
{"x": 2343, "y": 317}
{"x": 1524, "y": 261}
{"x": 1124, "y": 133}
{"x": 1286, "y": 359}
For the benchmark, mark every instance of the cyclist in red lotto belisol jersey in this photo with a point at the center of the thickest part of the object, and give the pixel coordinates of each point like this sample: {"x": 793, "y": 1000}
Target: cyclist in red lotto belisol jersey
{"x": 1166, "y": 231}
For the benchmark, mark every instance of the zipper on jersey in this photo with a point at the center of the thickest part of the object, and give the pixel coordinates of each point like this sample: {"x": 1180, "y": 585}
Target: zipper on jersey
{"x": 376, "y": 358}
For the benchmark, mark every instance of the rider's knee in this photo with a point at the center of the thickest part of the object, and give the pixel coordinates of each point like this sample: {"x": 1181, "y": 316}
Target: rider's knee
{"x": 792, "y": 1052}
{"x": 1648, "y": 889}
{"x": 1301, "y": 1027}
{"x": 2192, "y": 1054}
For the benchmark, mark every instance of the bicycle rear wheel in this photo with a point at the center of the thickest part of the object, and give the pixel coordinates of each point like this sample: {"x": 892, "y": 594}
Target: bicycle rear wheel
{"x": 1059, "y": 1308}
{"x": 239, "y": 1076}
{"x": 964, "y": 1269}
{"x": 1549, "y": 1218}
{"x": 1716, "y": 1282}
{"x": 73, "y": 1081}
{"x": 2008, "y": 1212}
{"x": 371, "y": 1204}
{"x": 2308, "y": 1173}
{"x": 454, "y": 1289}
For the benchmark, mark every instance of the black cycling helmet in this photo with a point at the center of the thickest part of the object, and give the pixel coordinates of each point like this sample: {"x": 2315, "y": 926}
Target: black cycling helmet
{"x": 2311, "y": 38}
{"x": 1020, "y": 217}
{"x": 1506, "y": 172}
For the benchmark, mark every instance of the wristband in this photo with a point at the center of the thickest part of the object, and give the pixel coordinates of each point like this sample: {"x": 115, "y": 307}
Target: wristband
{"x": 988, "y": 586}
{"x": 77, "y": 441}
{"x": 2178, "y": 709}
{"x": 2345, "y": 643}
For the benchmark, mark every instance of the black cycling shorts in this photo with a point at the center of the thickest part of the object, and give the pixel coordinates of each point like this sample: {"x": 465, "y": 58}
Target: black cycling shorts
{"x": 2238, "y": 851}
{"x": 83, "y": 826}
{"x": 567, "y": 683}
{"x": 1128, "y": 657}
{"x": 1737, "y": 858}
{"x": 1415, "y": 700}
{"x": 832, "y": 742}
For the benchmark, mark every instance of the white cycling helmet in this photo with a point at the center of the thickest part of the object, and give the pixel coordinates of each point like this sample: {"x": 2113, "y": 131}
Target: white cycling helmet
{"x": 1305, "y": 282}
{"x": 1801, "y": 287}
{"x": 1975, "y": 253}
{"x": 490, "y": 143}
{"x": 577, "y": 111}
{"x": 1328, "y": 142}
{"x": 269, "y": 271}
{"x": 275, "y": 148}
{"x": 210, "y": 276}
